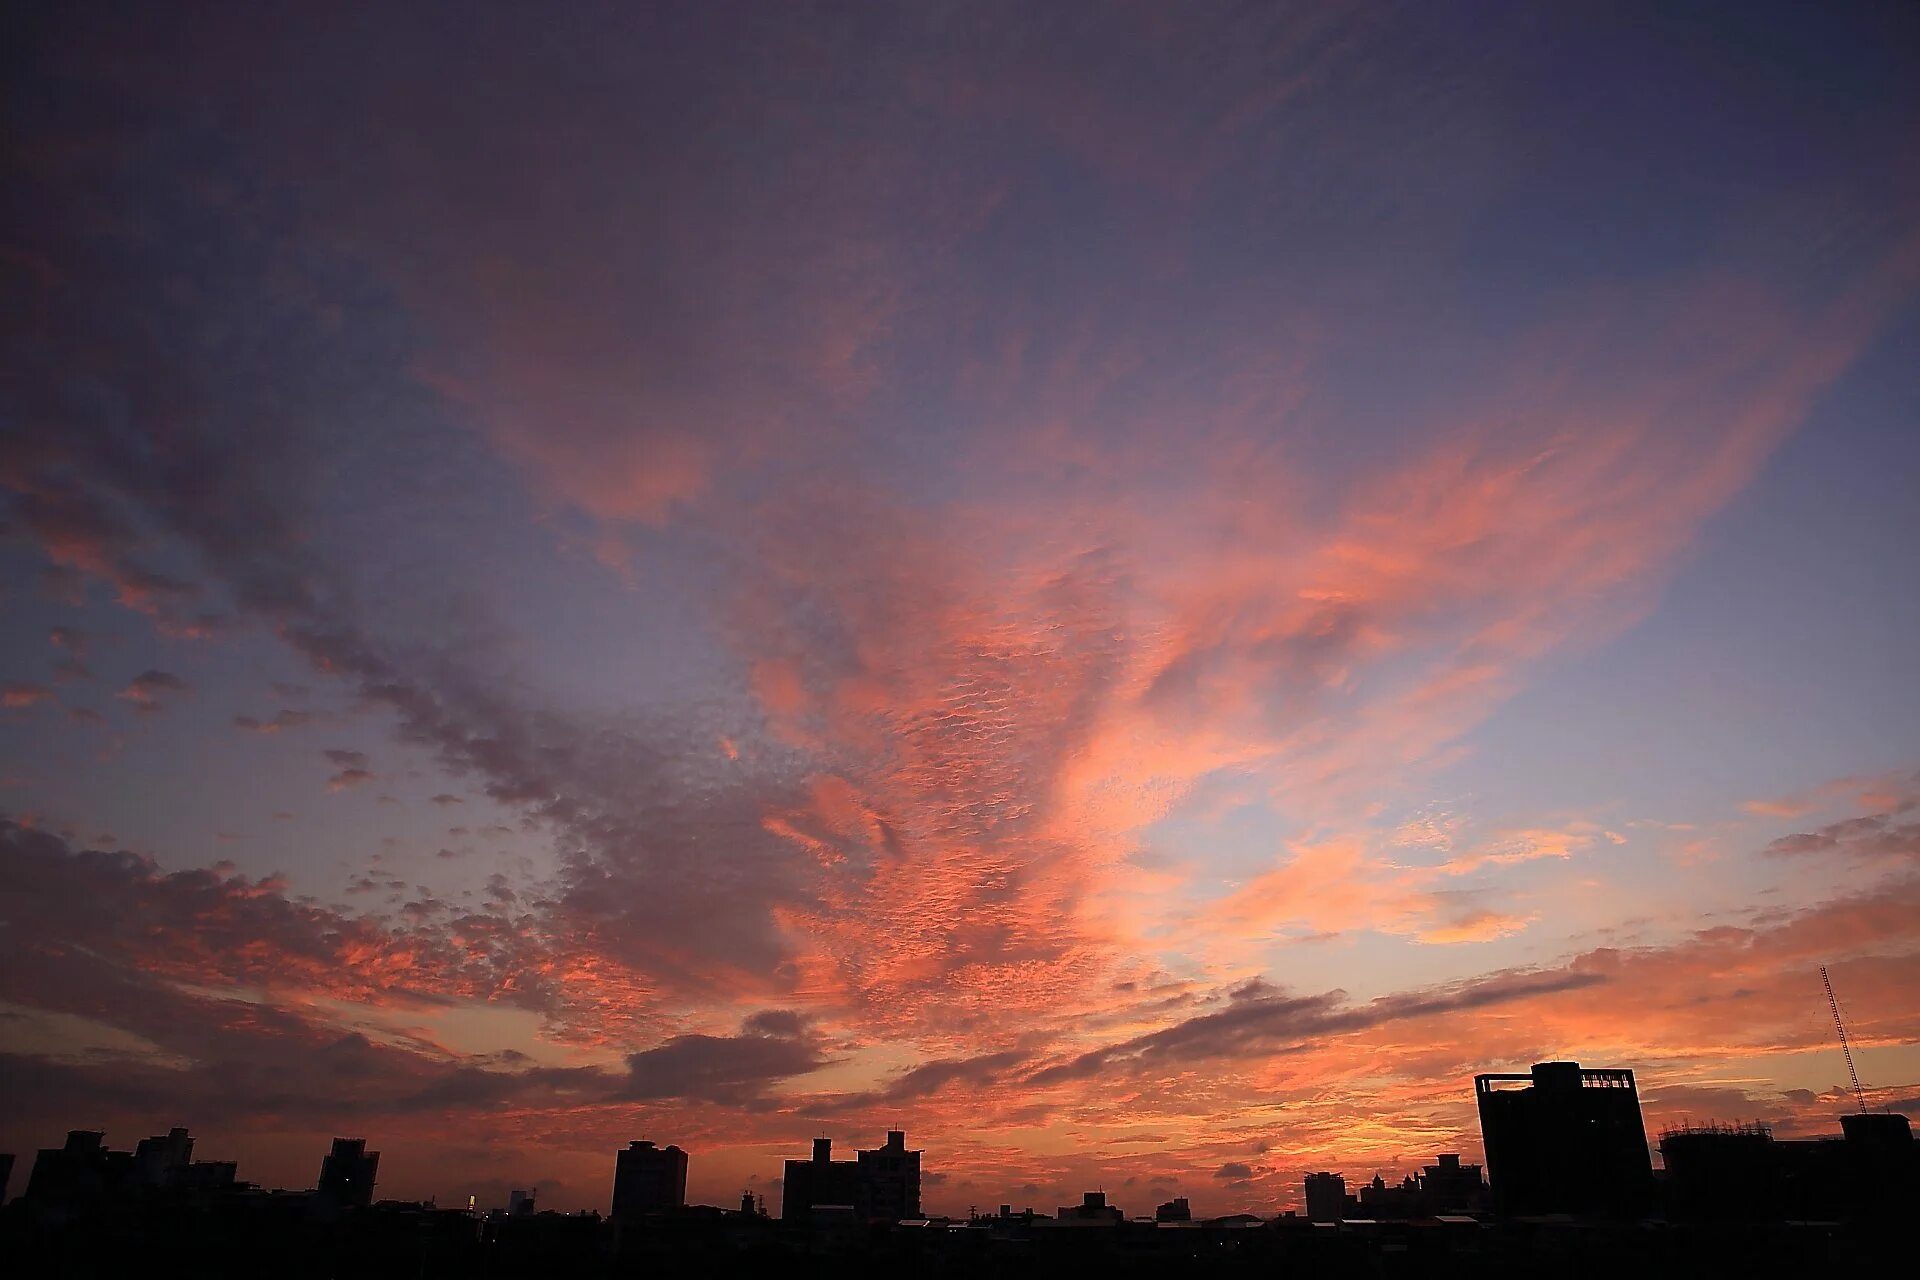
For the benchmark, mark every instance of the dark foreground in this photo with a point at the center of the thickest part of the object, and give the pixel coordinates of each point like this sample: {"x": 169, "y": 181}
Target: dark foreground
{"x": 289, "y": 1240}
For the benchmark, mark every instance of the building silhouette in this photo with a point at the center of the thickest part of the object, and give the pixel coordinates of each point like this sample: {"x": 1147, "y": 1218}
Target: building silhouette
{"x": 1093, "y": 1207}
{"x": 1380, "y": 1199}
{"x": 1737, "y": 1201}
{"x": 163, "y": 1161}
{"x": 1721, "y": 1172}
{"x": 1883, "y": 1164}
{"x": 1447, "y": 1186}
{"x": 204, "y": 1176}
{"x": 1327, "y": 1198}
{"x": 818, "y": 1183}
{"x": 78, "y": 1174}
{"x": 86, "y": 1175}
{"x": 1565, "y": 1139}
{"x": 648, "y": 1179}
{"x": 878, "y": 1185}
{"x": 887, "y": 1181}
{"x": 1742, "y": 1173}
{"x": 6, "y": 1173}
{"x": 348, "y": 1173}
{"x": 1443, "y": 1187}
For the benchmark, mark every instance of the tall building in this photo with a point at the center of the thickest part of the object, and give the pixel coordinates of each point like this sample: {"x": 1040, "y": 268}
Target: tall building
{"x": 1565, "y": 1139}
{"x": 1174, "y": 1210}
{"x": 878, "y": 1185}
{"x": 887, "y": 1181}
{"x": 81, "y": 1172}
{"x": 163, "y": 1161}
{"x": 6, "y": 1174}
{"x": 348, "y": 1172}
{"x": 1327, "y": 1198}
{"x": 819, "y": 1182}
{"x": 648, "y": 1179}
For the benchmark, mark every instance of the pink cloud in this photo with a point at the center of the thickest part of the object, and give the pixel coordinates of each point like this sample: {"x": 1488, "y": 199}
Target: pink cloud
{"x": 24, "y": 694}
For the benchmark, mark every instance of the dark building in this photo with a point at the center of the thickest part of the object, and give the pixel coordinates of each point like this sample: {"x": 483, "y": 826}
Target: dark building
{"x": 6, "y": 1173}
{"x": 1878, "y": 1130}
{"x": 1448, "y": 1186}
{"x": 80, "y": 1173}
{"x": 1721, "y": 1172}
{"x": 209, "y": 1176}
{"x": 1093, "y": 1207}
{"x": 1174, "y": 1210}
{"x": 348, "y": 1172}
{"x": 1444, "y": 1187}
{"x": 887, "y": 1181}
{"x": 818, "y": 1182}
{"x": 882, "y": 1184}
{"x": 1327, "y": 1198}
{"x": 163, "y": 1162}
{"x": 1741, "y": 1173}
{"x": 648, "y": 1179}
{"x": 1565, "y": 1139}
{"x": 1007, "y": 1218}
{"x": 84, "y": 1175}
{"x": 1398, "y": 1201}
{"x": 1882, "y": 1163}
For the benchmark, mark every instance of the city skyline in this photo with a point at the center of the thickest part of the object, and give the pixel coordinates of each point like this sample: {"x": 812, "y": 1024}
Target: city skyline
{"x": 1135, "y": 595}
{"x": 1570, "y": 1187}
{"x": 1565, "y": 1141}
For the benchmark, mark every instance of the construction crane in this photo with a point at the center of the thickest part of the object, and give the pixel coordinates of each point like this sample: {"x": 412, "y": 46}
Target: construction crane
{"x": 1846, "y": 1050}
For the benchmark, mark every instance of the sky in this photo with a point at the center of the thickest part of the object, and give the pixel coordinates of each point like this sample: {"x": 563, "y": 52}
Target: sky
{"x": 1138, "y": 591}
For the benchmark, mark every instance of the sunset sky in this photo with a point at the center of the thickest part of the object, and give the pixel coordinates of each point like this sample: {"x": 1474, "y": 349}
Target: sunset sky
{"x": 1137, "y": 590}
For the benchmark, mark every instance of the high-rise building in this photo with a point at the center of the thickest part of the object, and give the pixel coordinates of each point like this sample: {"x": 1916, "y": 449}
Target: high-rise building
{"x": 80, "y": 1172}
{"x": 887, "y": 1181}
{"x": 1565, "y": 1139}
{"x": 1327, "y": 1198}
{"x": 820, "y": 1182}
{"x": 878, "y": 1185}
{"x": 648, "y": 1179}
{"x": 348, "y": 1171}
{"x": 1174, "y": 1210}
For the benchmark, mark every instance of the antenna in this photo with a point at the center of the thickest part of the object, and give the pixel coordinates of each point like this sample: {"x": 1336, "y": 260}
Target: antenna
{"x": 1840, "y": 1028}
